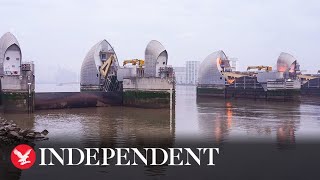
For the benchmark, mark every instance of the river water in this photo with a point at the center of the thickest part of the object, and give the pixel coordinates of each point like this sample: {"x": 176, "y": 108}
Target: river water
{"x": 202, "y": 120}
{"x": 215, "y": 120}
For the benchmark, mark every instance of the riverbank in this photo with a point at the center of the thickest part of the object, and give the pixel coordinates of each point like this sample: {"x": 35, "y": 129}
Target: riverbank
{"x": 11, "y": 133}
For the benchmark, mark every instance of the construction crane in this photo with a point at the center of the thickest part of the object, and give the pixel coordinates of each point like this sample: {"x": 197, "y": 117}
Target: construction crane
{"x": 266, "y": 68}
{"x": 140, "y": 62}
{"x": 108, "y": 79}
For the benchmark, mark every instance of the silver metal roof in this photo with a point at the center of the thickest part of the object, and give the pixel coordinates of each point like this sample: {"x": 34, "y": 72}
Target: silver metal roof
{"x": 6, "y": 41}
{"x": 285, "y": 62}
{"x": 154, "y": 53}
{"x": 89, "y": 74}
{"x": 210, "y": 69}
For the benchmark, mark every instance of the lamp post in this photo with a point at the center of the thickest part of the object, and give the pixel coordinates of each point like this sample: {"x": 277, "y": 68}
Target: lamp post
{"x": 29, "y": 99}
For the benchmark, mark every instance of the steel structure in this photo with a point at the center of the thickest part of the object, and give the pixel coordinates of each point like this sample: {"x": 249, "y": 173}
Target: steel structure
{"x": 10, "y": 55}
{"x": 212, "y": 68}
{"x": 156, "y": 56}
{"x": 90, "y": 76}
{"x": 288, "y": 66}
{"x": 286, "y": 62}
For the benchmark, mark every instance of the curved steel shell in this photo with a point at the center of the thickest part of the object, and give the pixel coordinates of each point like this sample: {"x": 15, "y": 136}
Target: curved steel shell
{"x": 210, "y": 71}
{"x": 6, "y": 41}
{"x": 285, "y": 62}
{"x": 89, "y": 74}
{"x": 155, "y": 57}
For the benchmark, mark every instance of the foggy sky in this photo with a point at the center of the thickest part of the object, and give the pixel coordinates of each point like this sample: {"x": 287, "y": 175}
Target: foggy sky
{"x": 61, "y": 32}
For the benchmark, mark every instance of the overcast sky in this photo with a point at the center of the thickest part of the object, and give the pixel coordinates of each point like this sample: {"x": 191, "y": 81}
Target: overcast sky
{"x": 62, "y": 31}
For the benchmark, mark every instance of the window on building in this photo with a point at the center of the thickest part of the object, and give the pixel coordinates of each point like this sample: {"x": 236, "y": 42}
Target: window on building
{"x": 103, "y": 56}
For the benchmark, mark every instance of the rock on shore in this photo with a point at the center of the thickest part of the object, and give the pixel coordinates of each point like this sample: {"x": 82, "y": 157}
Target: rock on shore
{"x": 11, "y": 133}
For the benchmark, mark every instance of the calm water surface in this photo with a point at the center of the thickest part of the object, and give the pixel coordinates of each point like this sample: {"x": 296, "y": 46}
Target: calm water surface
{"x": 215, "y": 120}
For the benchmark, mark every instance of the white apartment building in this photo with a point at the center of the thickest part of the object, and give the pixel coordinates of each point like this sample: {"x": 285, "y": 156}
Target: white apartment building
{"x": 192, "y": 70}
{"x": 180, "y": 74}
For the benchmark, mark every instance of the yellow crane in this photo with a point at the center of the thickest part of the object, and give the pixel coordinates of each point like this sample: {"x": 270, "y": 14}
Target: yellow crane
{"x": 266, "y": 68}
{"x": 105, "y": 68}
{"x": 140, "y": 62}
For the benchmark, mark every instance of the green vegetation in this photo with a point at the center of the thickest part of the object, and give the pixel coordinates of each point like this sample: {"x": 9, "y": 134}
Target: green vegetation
{"x": 145, "y": 94}
{"x": 153, "y": 99}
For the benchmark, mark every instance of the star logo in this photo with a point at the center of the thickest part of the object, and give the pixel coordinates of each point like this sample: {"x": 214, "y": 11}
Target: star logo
{"x": 23, "y": 157}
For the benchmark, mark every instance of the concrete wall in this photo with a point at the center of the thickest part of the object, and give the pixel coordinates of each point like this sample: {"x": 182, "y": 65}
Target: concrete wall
{"x": 263, "y": 77}
{"x": 148, "y": 99}
{"x": 127, "y": 72}
{"x": 249, "y": 93}
{"x": 148, "y": 92}
{"x": 17, "y": 102}
{"x": 11, "y": 83}
{"x": 211, "y": 91}
{"x": 148, "y": 84}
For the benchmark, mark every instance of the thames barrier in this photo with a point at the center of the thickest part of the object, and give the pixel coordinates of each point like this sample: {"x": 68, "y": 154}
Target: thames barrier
{"x": 103, "y": 81}
{"x": 149, "y": 82}
{"x": 286, "y": 82}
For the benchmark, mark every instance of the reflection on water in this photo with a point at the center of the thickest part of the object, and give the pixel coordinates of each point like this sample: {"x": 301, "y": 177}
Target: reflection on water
{"x": 219, "y": 120}
{"x": 205, "y": 120}
{"x": 208, "y": 119}
{"x": 109, "y": 126}
{"x": 224, "y": 120}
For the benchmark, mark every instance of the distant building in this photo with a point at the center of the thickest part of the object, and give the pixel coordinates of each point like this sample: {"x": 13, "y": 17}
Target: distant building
{"x": 233, "y": 63}
{"x": 192, "y": 70}
{"x": 180, "y": 74}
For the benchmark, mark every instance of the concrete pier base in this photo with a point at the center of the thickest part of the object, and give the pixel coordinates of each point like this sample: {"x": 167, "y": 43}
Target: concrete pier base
{"x": 249, "y": 93}
{"x": 150, "y": 92}
{"x": 147, "y": 99}
{"x": 211, "y": 92}
{"x": 22, "y": 102}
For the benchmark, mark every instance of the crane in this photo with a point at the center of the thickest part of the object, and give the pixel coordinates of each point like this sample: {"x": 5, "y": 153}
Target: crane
{"x": 140, "y": 62}
{"x": 105, "y": 68}
{"x": 266, "y": 68}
